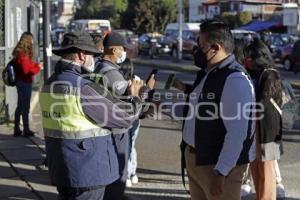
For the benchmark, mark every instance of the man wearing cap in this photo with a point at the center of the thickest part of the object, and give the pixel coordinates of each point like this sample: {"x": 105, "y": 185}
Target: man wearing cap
{"x": 115, "y": 54}
{"x": 78, "y": 119}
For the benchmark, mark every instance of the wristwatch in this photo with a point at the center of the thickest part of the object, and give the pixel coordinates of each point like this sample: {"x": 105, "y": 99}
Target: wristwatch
{"x": 217, "y": 173}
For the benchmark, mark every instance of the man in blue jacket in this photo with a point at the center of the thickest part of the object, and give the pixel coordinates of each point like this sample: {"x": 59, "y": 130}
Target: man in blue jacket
{"x": 79, "y": 118}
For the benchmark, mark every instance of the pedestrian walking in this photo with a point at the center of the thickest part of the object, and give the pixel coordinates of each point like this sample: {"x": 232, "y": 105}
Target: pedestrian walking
{"x": 26, "y": 68}
{"x": 218, "y": 145}
{"x": 78, "y": 118}
{"x": 268, "y": 89}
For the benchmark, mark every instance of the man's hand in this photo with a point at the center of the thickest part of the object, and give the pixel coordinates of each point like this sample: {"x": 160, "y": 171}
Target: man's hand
{"x": 179, "y": 85}
{"x": 217, "y": 185}
{"x": 151, "y": 82}
{"x": 135, "y": 87}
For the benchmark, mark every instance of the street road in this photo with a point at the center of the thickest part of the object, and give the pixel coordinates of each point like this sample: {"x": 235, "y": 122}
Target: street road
{"x": 158, "y": 148}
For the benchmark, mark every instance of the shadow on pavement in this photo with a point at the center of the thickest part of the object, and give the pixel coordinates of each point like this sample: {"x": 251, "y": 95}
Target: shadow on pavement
{"x": 291, "y": 140}
{"x": 150, "y": 171}
{"x": 22, "y": 173}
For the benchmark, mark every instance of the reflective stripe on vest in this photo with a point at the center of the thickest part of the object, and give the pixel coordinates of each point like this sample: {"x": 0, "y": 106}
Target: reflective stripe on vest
{"x": 63, "y": 117}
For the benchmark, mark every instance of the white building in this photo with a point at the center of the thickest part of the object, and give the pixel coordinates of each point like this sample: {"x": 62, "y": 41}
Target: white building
{"x": 203, "y": 9}
{"x": 291, "y": 17}
{"x": 62, "y": 12}
{"x": 196, "y": 10}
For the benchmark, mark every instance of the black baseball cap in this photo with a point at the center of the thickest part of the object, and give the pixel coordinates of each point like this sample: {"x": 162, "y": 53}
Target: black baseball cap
{"x": 115, "y": 39}
{"x": 79, "y": 40}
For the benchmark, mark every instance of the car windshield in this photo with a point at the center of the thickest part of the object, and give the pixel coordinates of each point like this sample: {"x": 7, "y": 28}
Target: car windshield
{"x": 282, "y": 40}
{"x": 171, "y": 33}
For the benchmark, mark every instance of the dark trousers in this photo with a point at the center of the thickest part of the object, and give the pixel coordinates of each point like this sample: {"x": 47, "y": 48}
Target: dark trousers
{"x": 115, "y": 191}
{"x": 24, "y": 95}
{"x": 80, "y": 194}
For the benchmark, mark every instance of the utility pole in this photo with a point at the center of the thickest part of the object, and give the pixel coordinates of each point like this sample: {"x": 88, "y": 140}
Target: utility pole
{"x": 180, "y": 21}
{"x": 47, "y": 47}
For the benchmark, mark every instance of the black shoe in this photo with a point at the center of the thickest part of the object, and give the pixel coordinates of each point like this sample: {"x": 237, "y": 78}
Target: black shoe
{"x": 17, "y": 133}
{"x": 28, "y": 133}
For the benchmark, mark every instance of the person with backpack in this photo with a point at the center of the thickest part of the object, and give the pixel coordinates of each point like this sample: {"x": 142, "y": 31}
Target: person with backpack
{"x": 268, "y": 90}
{"x": 25, "y": 69}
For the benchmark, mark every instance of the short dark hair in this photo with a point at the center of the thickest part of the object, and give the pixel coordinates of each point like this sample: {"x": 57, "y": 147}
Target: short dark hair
{"x": 218, "y": 32}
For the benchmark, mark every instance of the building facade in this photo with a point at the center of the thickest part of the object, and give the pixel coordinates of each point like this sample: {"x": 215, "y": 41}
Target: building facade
{"x": 62, "y": 12}
{"x": 196, "y": 10}
{"x": 261, "y": 9}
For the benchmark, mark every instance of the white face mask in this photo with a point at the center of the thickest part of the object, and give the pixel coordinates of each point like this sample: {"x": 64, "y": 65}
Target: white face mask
{"x": 122, "y": 58}
{"x": 90, "y": 68}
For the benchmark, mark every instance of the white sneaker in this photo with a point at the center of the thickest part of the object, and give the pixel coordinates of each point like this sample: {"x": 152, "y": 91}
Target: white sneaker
{"x": 245, "y": 190}
{"x": 280, "y": 190}
{"x": 128, "y": 183}
{"x": 134, "y": 179}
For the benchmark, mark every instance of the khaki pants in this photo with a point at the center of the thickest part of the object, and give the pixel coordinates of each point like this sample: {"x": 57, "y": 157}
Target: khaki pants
{"x": 200, "y": 178}
{"x": 264, "y": 179}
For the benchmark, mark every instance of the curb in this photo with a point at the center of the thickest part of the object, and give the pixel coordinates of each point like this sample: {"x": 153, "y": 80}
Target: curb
{"x": 291, "y": 130}
{"x": 167, "y": 66}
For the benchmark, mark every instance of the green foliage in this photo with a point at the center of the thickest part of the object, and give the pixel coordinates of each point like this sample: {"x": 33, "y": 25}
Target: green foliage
{"x": 121, "y": 5}
{"x": 243, "y": 18}
{"x": 149, "y": 15}
{"x": 236, "y": 20}
{"x": 229, "y": 18}
{"x": 138, "y": 15}
{"x": 103, "y": 9}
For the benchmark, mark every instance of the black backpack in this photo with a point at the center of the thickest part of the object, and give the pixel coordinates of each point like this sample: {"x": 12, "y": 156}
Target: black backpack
{"x": 9, "y": 74}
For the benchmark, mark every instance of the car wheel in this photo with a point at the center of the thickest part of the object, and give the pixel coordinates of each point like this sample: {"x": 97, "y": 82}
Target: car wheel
{"x": 174, "y": 53}
{"x": 287, "y": 64}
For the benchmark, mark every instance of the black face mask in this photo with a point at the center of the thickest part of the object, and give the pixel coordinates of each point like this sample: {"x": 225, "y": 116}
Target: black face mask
{"x": 200, "y": 59}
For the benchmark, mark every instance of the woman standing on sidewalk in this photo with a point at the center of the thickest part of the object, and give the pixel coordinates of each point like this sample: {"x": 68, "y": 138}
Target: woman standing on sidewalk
{"x": 25, "y": 68}
{"x": 268, "y": 89}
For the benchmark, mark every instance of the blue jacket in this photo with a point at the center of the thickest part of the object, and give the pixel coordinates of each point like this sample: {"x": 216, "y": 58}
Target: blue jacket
{"x": 85, "y": 162}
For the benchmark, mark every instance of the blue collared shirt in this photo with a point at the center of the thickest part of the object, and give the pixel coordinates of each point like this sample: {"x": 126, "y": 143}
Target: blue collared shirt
{"x": 238, "y": 91}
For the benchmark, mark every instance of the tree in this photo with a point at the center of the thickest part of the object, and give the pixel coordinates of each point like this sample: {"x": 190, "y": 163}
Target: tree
{"x": 103, "y": 9}
{"x": 243, "y": 18}
{"x": 229, "y": 19}
{"x": 149, "y": 15}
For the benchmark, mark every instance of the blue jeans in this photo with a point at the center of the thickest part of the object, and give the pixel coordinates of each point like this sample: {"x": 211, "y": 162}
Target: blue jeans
{"x": 24, "y": 91}
{"x": 132, "y": 162}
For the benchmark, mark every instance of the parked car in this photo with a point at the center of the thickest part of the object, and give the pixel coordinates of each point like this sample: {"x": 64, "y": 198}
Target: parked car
{"x": 245, "y": 35}
{"x": 132, "y": 40}
{"x": 90, "y": 25}
{"x": 295, "y": 56}
{"x": 153, "y": 44}
{"x": 281, "y": 46}
{"x": 57, "y": 35}
{"x": 190, "y": 33}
